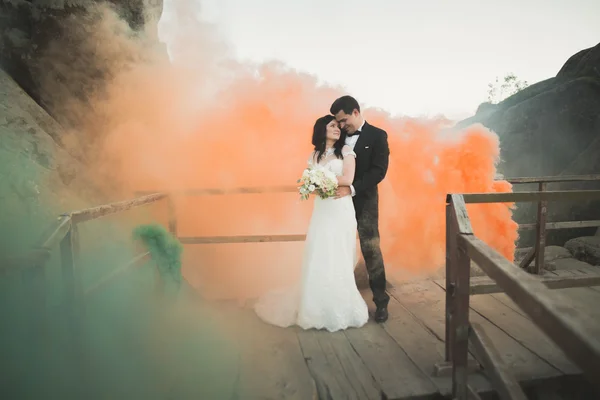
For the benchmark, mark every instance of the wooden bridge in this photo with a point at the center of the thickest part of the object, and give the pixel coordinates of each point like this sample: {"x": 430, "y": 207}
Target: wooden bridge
{"x": 510, "y": 333}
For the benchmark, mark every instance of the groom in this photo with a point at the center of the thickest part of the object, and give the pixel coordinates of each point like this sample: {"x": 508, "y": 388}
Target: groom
{"x": 372, "y": 154}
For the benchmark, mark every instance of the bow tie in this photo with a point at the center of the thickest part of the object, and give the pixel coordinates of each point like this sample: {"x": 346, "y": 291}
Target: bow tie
{"x": 352, "y": 134}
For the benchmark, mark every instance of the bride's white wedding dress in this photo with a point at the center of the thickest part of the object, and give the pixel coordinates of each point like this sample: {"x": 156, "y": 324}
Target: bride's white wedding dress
{"x": 327, "y": 296}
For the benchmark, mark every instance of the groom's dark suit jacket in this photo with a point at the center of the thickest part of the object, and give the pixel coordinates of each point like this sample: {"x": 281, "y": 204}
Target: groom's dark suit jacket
{"x": 372, "y": 159}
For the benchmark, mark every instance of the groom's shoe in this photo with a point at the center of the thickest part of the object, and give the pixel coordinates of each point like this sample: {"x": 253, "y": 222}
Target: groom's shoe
{"x": 381, "y": 314}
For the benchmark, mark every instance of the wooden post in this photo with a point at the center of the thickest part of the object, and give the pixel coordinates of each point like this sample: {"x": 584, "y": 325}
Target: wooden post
{"x": 460, "y": 339}
{"x": 69, "y": 245}
{"x": 172, "y": 212}
{"x": 73, "y": 297}
{"x": 451, "y": 247}
{"x": 33, "y": 278}
{"x": 540, "y": 233}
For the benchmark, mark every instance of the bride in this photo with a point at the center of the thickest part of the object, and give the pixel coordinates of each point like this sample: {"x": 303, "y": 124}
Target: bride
{"x": 327, "y": 297}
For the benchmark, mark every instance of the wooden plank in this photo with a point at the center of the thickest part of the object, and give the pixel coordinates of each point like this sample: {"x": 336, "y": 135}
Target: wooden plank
{"x": 473, "y": 395}
{"x": 503, "y": 381}
{"x": 425, "y": 301}
{"x": 460, "y": 322}
{"x": 419, "y": 343}
{"x": 531, "y": 254}
{"x": 242, "y": 239}
{"x": 540, "y": 232}
{"x": 451, "y": 256}
{"x": 557, "y": 178}
{"x": 529, "y": 197}
{"x": 273, "y": 366}
{"x": 55, "y": 233}
{"x": 563, "y": 225}
{"x": 338, "y": 371}
{"x": 523, "y": 331}
{"x": 461, "y": 214}
{"x": 393, "y": 370}
{"x": 239, "y": 190}
{"x": 495, "y": 291}
{"x": 504, "y": 299}
{"x": 593, "y": 271}
{"x": 424, "y": 348}
{"x": 172, "y": 214}
{"x": 526, "y": 365}
{"x": 101, "y": 283}
{"x": 486, "y": 285}
{"x": 563, "y": 320}
{"x": 587, "y": 297}
{"x": 113, "y": 208}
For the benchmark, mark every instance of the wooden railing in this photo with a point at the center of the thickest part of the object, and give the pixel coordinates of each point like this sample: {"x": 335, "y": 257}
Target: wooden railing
{"x": 64, "y": 233}
{"x": 541, "y": 224}
{"x": 230, "y": 239}
{"x": 564, "y": 320}
{"x": 537, "y": 251}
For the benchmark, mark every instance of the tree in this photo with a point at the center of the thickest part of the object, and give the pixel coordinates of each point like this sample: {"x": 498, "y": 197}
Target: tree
{"x": 510, "y": 85}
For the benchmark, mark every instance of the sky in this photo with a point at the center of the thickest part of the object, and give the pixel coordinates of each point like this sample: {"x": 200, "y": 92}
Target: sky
{"x": 413, "y": 58}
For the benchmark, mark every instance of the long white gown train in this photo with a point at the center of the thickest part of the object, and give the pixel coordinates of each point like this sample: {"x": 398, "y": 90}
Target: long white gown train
{"x": 327, "y": 296}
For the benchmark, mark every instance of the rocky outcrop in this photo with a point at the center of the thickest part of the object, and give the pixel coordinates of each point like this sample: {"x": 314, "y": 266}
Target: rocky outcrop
{"x": 559, "y": 258}
{"x": 552, "y": 128}
{"x": 54, "y": 57}
{"x": 577, "y": 254}
{"x": 58, "y": 53}
{"x": 35, "y": 169}
{"x": 586, "y": 249}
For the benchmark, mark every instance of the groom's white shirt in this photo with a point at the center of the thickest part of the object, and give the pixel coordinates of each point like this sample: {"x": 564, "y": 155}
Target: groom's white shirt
{"x": 351, "y": 141}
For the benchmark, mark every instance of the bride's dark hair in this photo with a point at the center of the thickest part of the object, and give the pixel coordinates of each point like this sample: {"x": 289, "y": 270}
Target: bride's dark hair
{"x": 319, "y": 137}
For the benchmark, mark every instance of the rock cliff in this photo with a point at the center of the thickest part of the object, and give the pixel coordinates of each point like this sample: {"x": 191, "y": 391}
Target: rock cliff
{"x": 49, "y": 59}
{"x": 552, "y": 128}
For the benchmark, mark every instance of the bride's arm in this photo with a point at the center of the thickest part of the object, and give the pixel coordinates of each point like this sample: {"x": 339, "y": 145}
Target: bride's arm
{"x": 349, "y": 165}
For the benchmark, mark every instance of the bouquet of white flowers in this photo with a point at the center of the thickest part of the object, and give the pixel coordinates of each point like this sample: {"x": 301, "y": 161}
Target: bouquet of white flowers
{"x": 319, "y": 180}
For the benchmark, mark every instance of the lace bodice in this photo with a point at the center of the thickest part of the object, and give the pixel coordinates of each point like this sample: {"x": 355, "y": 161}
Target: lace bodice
{"x": 331, "y": 162}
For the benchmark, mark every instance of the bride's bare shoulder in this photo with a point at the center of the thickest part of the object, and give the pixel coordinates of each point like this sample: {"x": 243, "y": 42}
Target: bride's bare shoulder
{"x": 347, "y": 151}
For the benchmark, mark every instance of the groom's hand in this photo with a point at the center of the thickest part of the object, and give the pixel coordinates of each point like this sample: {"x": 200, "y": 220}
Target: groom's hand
{"x": 342, "y": 191}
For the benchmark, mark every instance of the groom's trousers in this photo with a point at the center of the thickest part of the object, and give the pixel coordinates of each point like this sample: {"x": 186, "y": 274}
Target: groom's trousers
{"x": 367, "y": 217}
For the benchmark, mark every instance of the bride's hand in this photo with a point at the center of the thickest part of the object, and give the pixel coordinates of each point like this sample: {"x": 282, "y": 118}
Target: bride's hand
{"x": 342, "y": 191}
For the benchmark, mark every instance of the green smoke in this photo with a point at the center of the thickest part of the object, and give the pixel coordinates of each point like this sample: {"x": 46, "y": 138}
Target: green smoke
{"x": 164, "y": 248}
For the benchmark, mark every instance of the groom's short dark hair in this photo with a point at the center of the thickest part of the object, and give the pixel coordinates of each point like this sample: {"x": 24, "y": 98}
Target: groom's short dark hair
{"x": 346, "y": 104}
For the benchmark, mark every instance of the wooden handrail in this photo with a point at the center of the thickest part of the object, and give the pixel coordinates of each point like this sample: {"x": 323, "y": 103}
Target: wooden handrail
{"x": 552, "y": 179}
{"x": 564, "y": 225}
{"x": 540, "y": 226}
{"x": 92, "y": 213}
{"x": 238, "y": 190}
{"x": 564, "y": 320}
{"x": 64, "y": 232}
{"x": 242, "y": 239}
{"x": 529, "y": 197}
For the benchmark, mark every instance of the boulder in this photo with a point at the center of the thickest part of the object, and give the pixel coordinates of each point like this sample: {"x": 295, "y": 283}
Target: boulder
{"x": 566, "y": 264}
{"x": 554, "y": 256}
{"x": 552, "y": 128}
{"x": 586, "y": 249}
{"x": 52, "y": 48}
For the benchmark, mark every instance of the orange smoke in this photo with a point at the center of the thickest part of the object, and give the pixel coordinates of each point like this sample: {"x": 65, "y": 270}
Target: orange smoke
{"x": 222, "y": 124}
